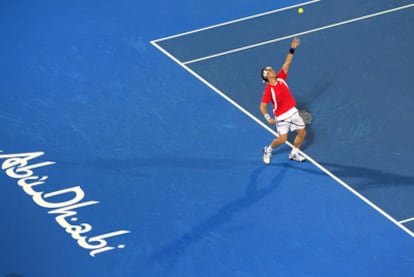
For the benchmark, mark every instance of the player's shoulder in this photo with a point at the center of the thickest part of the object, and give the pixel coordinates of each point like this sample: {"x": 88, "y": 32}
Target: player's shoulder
{"x": 282, "y": 74}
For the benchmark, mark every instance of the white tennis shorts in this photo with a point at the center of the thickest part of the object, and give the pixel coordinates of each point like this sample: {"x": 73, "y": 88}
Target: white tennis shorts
{"x": 290, "y": 121}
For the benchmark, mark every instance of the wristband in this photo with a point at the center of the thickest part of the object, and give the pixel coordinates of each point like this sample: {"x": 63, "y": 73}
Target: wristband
{"x": 292, "y": 51}
{"x": 267, "y": 116}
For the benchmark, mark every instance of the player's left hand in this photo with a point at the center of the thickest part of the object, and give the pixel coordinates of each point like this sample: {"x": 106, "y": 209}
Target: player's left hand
{"x": 271, "y": 121}
{"x": 295, "y": 43}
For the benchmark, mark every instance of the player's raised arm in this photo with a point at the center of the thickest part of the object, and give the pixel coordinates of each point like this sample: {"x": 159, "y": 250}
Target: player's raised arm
{"x": 289, "y": 57}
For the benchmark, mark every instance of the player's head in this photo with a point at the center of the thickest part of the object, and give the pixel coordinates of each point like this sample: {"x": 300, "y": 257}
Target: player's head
{"x": 264, "y": 73}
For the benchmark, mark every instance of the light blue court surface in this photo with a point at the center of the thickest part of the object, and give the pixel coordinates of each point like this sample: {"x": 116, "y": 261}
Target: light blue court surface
{"x": 132, "y": 146}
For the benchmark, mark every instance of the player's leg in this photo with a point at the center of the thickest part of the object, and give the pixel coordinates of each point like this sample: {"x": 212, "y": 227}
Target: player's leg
{"x": 300, "y": 137}
{"x": 282, "y": 138}
{"x": 267, "y": 151}
{"x": 283, "y": 129}
{"x": 297, "y": 125}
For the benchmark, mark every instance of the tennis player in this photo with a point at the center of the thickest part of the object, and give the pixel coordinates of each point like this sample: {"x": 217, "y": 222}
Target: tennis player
{"x": 286, "y": 115}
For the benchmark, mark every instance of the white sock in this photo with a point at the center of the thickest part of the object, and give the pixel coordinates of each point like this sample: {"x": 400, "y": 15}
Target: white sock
{"x": 269, "y": 149}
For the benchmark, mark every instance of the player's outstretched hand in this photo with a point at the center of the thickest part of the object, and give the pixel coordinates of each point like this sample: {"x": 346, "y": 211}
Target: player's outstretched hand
{"x": 295, "y": 43}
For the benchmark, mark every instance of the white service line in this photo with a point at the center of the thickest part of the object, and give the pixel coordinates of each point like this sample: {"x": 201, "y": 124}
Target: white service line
{"x": 299, "y": 34}
{"x": 406, "y": 220}
{"x": 238, "y": 20}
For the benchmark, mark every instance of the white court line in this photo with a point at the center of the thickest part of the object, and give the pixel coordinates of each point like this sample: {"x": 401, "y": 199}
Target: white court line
{"x": 238, "y": 20}
{"x": 300, "y": 34}
{"x": 323, "y": 169}
{"x": 406, "y": 220}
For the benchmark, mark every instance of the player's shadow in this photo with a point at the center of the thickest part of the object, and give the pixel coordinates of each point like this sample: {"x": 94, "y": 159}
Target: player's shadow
{"x": 171, "y": 252}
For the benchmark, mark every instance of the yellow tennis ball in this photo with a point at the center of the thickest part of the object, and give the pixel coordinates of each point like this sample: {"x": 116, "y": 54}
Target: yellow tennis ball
{"x": 300, "y": 10}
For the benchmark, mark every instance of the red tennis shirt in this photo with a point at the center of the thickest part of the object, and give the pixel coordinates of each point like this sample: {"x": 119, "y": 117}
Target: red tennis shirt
{"x": 279, "y": 94}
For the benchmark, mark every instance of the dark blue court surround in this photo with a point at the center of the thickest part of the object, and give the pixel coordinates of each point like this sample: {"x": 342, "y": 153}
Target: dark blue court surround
{"x": 158, "y": 154}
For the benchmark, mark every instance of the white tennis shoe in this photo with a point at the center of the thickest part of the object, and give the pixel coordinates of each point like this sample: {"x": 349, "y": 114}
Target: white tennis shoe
{"x": 267, "y": 156}
{"x": 297, "y": 157}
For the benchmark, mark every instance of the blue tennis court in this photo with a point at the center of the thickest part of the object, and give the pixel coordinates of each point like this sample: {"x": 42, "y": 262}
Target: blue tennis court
{"x": 132, "y": 139}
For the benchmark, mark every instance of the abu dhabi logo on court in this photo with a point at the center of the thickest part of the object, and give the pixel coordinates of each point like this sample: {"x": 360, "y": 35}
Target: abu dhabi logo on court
{"x": 17, "y": 166}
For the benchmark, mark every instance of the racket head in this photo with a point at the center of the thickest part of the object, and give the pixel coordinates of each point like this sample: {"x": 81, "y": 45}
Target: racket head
{"x": 306, "y": 116}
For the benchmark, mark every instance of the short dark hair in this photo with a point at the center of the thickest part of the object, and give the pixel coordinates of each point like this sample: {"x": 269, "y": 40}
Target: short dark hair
{"x": 263, "y": 73}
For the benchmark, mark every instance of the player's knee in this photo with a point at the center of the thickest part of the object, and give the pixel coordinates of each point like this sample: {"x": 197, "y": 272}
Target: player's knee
{"x": 302, "y": 133}
{"x": 283, "y": 138}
